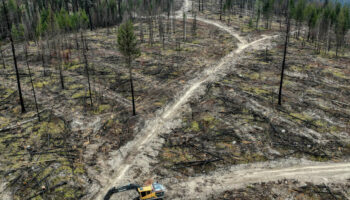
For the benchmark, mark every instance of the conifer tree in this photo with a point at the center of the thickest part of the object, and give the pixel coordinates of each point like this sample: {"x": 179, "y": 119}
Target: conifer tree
{"x": 127, "y": 45}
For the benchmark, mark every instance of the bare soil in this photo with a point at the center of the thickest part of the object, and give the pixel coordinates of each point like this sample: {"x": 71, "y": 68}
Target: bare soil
{"x": 288, "y": 189}
{"x": 68, "y": 147}
{"x": 208, "y": 123}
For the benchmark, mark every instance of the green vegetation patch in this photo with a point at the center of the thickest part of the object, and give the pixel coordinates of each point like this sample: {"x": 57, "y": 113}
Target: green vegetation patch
{"x": 4, "y": 122}
{"x": 102, "y": 109}
{"x": 335, "y": 72}
{"x": 41, "y": 84}
{"x": 54, "y": 127}
{"x": 195, "y": 126}
{"x": 301, "y": 116}
{"x": 79, "y": 94}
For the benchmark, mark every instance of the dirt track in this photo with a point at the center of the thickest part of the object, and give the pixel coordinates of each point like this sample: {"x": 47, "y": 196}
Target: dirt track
{"x": 235, "y": 178}
{"x": 136, "y": 154}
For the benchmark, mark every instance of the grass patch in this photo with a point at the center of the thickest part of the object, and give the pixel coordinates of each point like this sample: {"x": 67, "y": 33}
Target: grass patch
{"x": 195, "y": 126}
{"x": 4, "y": 122}
{"x": 301, "y": 116}
{"x": 335, "y": 72}
{"x": 79, "y": 94}
{"x": 41, "y": 84}
{"x": 102, "y": 108}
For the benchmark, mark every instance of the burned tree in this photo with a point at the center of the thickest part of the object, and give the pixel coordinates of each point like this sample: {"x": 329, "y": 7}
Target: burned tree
{"x": 14, "y": 56}
{"x": 184, "y": 26}
{"x": 2, "y": 57}
{"x": 31, "y": 81}
{"x": 284, "y": 54}
{"x": 84, "y": 49}
{"x": 194, "y": 25}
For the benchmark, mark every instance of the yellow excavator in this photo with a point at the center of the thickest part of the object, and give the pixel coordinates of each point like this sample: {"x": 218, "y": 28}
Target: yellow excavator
{"x": 149, "y": 192}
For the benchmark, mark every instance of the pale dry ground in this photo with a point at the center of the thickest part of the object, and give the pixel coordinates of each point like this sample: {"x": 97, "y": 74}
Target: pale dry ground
{"x": 239, "y": 176}
{"x": 133, "y": 160}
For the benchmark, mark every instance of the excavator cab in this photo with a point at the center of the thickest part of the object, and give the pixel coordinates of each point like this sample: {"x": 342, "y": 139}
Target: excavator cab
{"x": 154, "y": 191}
{"x": 149, "y": 192}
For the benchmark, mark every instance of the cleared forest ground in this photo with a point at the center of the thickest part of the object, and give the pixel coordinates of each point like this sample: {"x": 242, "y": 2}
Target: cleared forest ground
{"x": 233, "y": 120}
{"x": 237, "y": 120}
{"x": 73, "y": 139}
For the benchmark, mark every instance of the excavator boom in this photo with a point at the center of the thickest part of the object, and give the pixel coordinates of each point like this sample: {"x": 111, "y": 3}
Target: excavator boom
{"x": 120, "y": 189}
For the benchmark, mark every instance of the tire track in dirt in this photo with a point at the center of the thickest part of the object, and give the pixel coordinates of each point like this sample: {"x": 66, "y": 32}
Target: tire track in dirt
{"x": 202, "y": 186}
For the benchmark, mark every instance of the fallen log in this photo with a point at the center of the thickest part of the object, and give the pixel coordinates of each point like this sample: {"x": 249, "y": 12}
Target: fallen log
{"x": 194, "y": 163}
{"x": 40, "y": 153}
{"x": 330, "y": 192}
{"x": 204, "y": 151}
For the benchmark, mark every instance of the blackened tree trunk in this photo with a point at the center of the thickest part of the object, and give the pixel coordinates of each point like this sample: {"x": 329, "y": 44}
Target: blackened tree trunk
{"x": 2, "y": 58}
{"x": 336, "y": 50}
{"x": 132, "y": 87}
{"x": 161, "y": 31}
{"x": 61, "y": 53}
{"x": 120, "y": 10}
{"x": 87, "y": 9}
{"x": 194, "y": 25}
{"x": 150, "y": 26}
{"x": 141, "y": 31}
{"x": 257, "y": 19}
{"x": 309, "y": 31}
{"x": 184, "y": 27}
{"x": 14, "y": 56}
{"x": 284, "y": 55}
{"x": 43, "y": 56}
{"x": 31, "y": 82}
{"x": 86, "y": 66}
{"x": 221, "y": 9}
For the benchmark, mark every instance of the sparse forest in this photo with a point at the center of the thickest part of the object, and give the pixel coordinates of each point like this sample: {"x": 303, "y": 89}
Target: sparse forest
{"x": 97, "y": 94}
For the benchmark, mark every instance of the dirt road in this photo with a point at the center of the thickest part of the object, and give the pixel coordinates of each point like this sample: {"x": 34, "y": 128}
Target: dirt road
{"x": 202, "y": 186}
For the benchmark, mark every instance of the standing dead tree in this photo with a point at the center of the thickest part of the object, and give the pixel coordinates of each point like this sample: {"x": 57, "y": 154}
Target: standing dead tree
{"x": 84, "y": 49}
{"x": 31, "y": 81}
{"x": 150, "y": 23}
{"x": 14, "y": 55}
{"x": 161, "y": 31}
{"x": 284, "y": 54}
{"x": 63, "y": 56}
{"x": 2, "y": 57}
{"x": 194, "y": 25}
{"x": 184, "y": 27}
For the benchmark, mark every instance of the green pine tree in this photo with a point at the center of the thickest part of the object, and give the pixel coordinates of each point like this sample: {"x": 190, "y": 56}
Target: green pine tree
{"x": 127, "y": 45}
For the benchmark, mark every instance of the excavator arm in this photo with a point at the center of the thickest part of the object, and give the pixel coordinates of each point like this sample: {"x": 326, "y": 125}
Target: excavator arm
{"x": 120, "y": 189}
